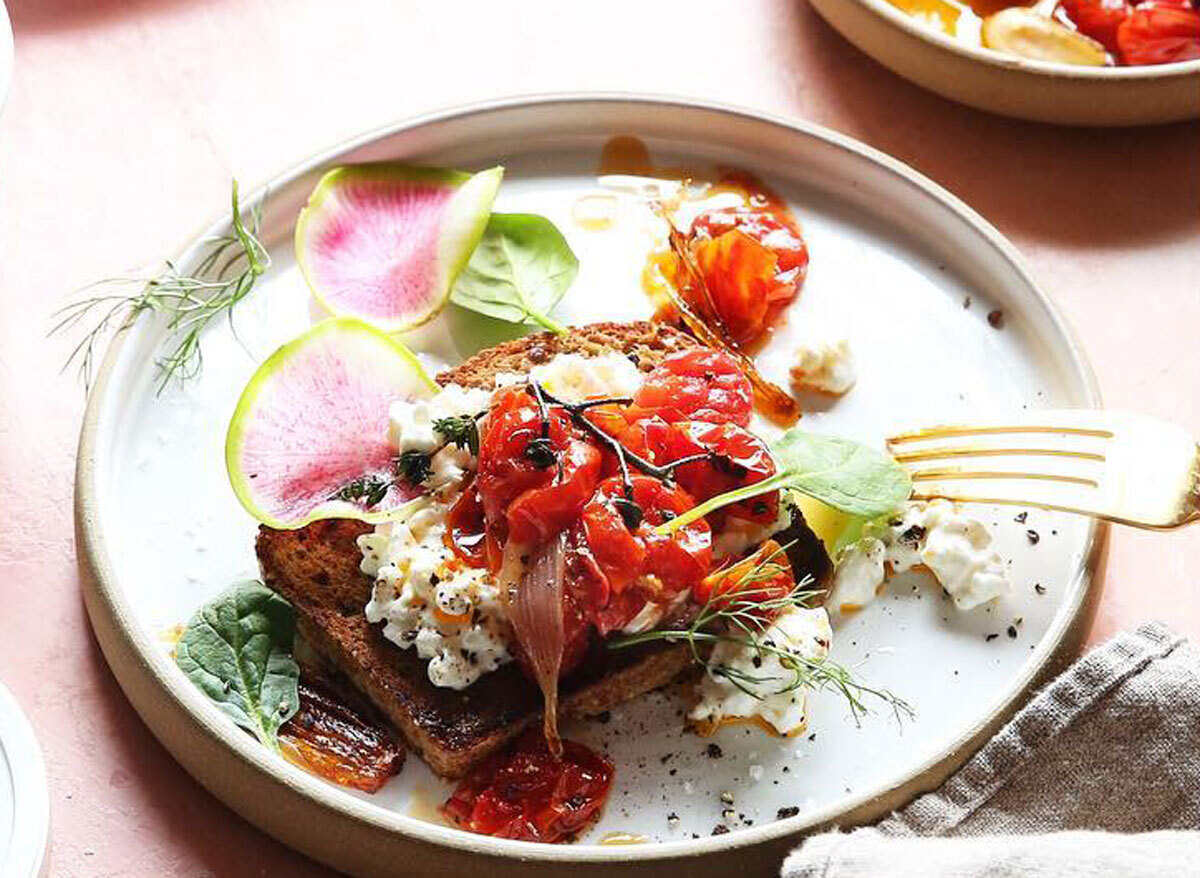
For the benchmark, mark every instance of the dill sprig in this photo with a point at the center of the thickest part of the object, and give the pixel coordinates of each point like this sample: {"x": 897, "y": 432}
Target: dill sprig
{"x": 742, "y": 616}
{"x": 223, "y": 277}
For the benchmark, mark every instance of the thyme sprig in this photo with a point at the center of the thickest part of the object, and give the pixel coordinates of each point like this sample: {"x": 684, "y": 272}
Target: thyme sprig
{"x": 223, "y": 277}
{"x": 742, "y": 617}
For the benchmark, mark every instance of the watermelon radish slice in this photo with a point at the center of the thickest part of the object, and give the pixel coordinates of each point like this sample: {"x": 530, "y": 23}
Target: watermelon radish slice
{"x": 384, "y": 242}
{"x": 313, "y": 423}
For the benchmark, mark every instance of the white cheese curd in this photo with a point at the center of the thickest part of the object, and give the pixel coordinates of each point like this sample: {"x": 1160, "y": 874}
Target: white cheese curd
{"x": 410, "y": 425}
{"x": 858, "y": 575}
{"x": 800, "y": 631}
{"x": 430, "y": 600}
{"x": 955, "y": 548}
{"x": 825, "y": 367}
{"x": 573, "y": 378}
{"x": 737, "y": 535}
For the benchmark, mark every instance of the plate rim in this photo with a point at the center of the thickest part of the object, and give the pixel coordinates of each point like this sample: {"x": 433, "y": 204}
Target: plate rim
{"x": 1126, "y": 73}
{"x": 144, "y": 672}
{"x": 31, "y": 820}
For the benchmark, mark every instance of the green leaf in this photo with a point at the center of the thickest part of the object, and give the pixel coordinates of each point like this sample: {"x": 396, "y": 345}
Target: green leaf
{"x": 519, "y": 271}
{"x": 840, "y": 472}
{"x": 238, "y": 651}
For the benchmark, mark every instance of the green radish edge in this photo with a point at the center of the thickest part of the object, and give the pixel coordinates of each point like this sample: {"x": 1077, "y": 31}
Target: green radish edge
{"x": 465, "y": 218}
{"x": 385, "y": 348}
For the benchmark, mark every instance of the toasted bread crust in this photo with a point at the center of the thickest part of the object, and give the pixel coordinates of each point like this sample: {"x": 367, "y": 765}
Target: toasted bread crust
{"x": 317, "y": 569}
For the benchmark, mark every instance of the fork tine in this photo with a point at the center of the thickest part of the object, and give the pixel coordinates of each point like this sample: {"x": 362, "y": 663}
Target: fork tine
{"x": 969, "y": 451}
{"x": 951, "y": 430}
{"x": 951, "y": 474}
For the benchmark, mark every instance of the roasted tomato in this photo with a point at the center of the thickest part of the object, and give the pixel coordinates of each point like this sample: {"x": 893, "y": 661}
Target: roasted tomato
{"x": 757, "y": 584}
{"x": 753, "y": 262}
{"x": 618, "y": 550}
{"x": 534, "y": 476}
{"x": 467, "y": 534}
{"x": 1097, "y": 19}
{"x": 696, "y": 385}
{"x": 1159, "y": 32}
{"x": 530, "y": 794}
{"x": 734, "y": 457}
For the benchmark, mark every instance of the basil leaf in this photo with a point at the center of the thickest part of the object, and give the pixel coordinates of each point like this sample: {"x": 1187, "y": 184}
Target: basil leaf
{"x": 840, "y": 472}
{"x": 519, "y": 271}
{"x": 238, "y": 651}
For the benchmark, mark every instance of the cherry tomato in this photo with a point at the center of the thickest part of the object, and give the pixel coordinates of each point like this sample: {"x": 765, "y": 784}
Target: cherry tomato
{"x": 1097, "y": 19}
{"x": 1159, "y": 33}
{"x": 736, "y": 457}
{"x": 753, "y": 583}
{"x": 618, "y": 548}
{"x": 466, "y": 525}
{"x": 530, "y": 794}
{"x": 753, "y": 261}
{"x": 696, "y": 385}
{"x": 533, "y": 476}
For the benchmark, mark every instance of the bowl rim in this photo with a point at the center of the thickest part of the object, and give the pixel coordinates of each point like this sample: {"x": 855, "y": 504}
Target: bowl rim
{"x": 143, "y": 670}
{"x": 1010, "y": 63}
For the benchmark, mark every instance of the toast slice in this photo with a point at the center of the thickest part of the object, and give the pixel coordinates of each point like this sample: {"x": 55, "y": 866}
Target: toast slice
{"x": 316, "y": 568}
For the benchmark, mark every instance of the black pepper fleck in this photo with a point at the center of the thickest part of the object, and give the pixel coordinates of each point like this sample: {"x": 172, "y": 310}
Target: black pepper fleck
{"x": 1034, "y": 537}
{"x": 1039, "y": 588}
{"x": 720, "y": 829}
{"x": 713, "y": 751}
{"x": 996, "y": 319}
{"x": 785, "y": 813}
{"x": 1020, "y": 519}
{"x": 991, "y": 637}
{"x": 1012, "y": 631}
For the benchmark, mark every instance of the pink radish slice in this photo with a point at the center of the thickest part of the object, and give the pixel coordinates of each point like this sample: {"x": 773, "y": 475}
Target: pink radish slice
{"x": 384, "y": 242}
{"x": 314, "y": 419}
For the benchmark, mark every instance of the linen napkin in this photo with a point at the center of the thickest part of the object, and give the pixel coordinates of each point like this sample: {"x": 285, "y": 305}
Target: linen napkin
{"x": 1098, "y": 775}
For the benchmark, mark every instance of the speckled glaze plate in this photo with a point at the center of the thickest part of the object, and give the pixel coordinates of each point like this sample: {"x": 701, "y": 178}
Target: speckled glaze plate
{"x": 894, "y": 261}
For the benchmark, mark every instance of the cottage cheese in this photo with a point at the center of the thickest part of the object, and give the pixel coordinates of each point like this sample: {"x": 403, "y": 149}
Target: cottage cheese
{"x": 410, "y": 425}
{"x": 955, "y": 548}
{"x": 826, "y": 367}
{"x": 574, "y": 378}
{"x": 801, "y": 631}
{"x": 429, "y": 600}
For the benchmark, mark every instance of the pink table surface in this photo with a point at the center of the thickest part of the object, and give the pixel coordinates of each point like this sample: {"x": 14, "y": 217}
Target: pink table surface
{"x": 127, "y": 119}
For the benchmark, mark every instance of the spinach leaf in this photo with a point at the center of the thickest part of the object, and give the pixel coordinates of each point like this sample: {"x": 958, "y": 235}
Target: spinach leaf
{"x": 836, "y": 471}
{"x": 519, "y": 271}
{"x": 238, "y": 651}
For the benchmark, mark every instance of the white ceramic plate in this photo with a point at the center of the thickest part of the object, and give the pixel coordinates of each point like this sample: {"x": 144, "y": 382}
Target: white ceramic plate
{"x": 893, "y": 258}
{"x": 24, "y": 801}
{"x": 1058, "y": 93}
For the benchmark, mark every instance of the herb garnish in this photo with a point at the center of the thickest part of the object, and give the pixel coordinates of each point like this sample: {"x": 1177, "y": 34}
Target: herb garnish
{"x": 460, "y": 430}
{"x": 222, "y": 278}
{"x": 238, "y": 651}
{"x": 742, "y": 616}
{"x": 415, "y": 467}
{"x": 839, "y": 472}
{"x": 370, "y": 489}
{"x": 518, "y": 272}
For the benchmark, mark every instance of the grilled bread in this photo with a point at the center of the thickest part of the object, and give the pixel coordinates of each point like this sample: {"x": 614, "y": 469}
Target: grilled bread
{"x": 316, "y": 568}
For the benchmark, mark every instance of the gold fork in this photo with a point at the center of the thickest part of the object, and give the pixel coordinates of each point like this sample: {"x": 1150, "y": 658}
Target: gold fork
{"x": 1123, "y": 467}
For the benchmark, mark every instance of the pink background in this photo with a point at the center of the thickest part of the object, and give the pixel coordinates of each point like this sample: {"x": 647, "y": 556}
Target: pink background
{"x": 127, "y": 119}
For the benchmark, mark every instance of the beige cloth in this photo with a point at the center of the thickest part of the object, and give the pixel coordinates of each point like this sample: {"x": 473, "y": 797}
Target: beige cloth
{"x": 1098, "y": 775}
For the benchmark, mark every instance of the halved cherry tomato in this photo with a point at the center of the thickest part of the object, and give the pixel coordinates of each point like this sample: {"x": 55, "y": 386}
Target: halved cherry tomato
{"x": 536, "y": 491}
{"x": 735, "y": 457}
{"x": 619, "y": 549}
{"x": 696, "y": 385}
{"x": 466, "y": 526}
{"x": 1159, "y": 33}
{"x": 753, "y": 583}
{"x": 778, "y": 234}
{"x": 527, "y": 793}
{"x": 1097, "y": 19}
